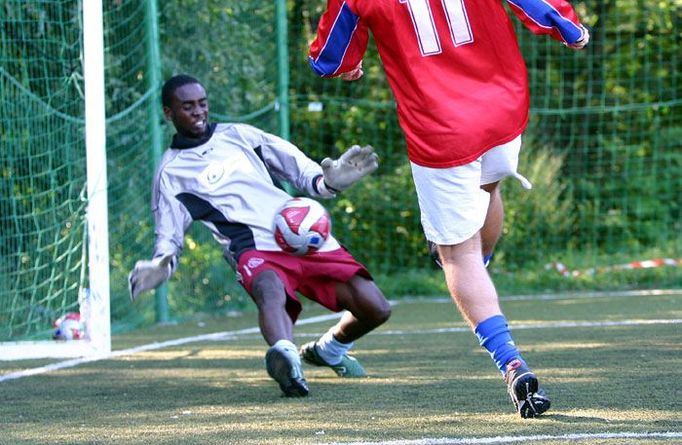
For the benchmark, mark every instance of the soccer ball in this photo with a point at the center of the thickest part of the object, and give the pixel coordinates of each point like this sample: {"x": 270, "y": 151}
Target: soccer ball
{"x": 302, "y": 226}
{"x": 69, "y": 327}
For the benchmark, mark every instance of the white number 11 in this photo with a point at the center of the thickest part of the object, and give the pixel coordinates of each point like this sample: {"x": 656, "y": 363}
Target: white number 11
{"x": 425, "y": 27}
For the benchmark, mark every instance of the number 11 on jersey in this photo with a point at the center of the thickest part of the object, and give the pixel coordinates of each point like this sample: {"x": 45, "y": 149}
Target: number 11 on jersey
{"x": 425, "y": 26}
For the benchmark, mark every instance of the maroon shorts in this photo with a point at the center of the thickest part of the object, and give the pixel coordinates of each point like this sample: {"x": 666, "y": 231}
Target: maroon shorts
{"x": 315, "y": 276}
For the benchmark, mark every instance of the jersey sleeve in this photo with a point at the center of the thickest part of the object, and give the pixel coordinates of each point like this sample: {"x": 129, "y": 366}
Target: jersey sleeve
{"x": 554, "y": 17}
{"x": 288, "y": 162}
{"x": 340, "y": 43}
{"x": 171, "y": 221}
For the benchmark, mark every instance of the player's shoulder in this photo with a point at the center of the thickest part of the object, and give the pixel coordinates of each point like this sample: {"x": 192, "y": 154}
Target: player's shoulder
{"x": 245, "y": 134}
{"x": 168, "y": 156}
{"x": 229, "y": 128}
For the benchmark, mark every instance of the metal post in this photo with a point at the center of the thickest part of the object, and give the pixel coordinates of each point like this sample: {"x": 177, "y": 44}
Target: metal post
{"x": 282, "y": 69}
{"x": 154, "y": 76}
{"x": 95, "y": 146}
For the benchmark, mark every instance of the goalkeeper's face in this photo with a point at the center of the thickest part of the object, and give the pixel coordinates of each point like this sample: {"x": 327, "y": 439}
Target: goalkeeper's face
{"x": 189, "y": 110}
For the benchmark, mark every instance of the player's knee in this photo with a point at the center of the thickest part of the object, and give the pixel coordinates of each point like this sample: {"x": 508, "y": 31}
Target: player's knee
{"x": 267, "y": 290}
{"x": 381, "y": 310}
{"x": 383, "y": 314}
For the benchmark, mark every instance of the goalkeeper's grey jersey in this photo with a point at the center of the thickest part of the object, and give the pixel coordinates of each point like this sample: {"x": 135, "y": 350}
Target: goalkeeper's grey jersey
{"x": 228, "y": 183}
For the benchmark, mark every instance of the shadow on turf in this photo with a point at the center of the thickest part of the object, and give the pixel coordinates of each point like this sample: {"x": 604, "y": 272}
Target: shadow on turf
{"x": 574, "y": 419}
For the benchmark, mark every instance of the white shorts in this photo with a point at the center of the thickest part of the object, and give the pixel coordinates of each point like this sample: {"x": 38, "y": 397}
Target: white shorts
{"x": 453, "y": 206}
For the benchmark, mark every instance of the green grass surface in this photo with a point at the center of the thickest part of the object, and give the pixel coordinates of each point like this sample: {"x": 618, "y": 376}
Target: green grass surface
{"x": 429, "y": 381}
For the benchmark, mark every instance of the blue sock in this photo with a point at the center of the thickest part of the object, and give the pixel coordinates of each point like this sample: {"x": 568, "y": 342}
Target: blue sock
{"x": 486, "y": 259}
{"x": 494, "y": 335}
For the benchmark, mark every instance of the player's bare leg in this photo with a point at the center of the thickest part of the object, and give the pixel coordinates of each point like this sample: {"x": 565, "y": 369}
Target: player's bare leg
{"x": 366, "y": 309}
{"x": 366, "y": 305}
{"x": 474, "y": 294}
{"x": 494, "y": 219}
{"x": 270, "y": 297}
{"x": 468, "y": 281}
{"x": 281, "y": 360}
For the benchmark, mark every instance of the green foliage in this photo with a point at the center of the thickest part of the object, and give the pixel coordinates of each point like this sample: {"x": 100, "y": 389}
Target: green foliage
{"x": 602, "y": 149}
{"x": 537, "y": 220}
{"x": 386, "y": 247}
{"x": 204, "y": 281}
{"x": 228, "y": 45}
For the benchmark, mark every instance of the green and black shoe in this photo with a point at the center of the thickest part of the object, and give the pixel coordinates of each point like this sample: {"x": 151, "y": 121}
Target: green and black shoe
{"x": 347, "y": 367}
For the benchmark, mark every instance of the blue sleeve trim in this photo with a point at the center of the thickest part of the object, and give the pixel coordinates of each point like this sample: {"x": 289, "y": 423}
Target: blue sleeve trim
{"x": 547, "y": 16}
{"x": 331, "y": 56}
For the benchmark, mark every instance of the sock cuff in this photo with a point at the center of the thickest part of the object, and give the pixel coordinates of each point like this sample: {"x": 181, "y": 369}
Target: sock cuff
{"x": 490, "y": 328}
{"x": 326, "y": 338}
{"x": 330, "y": 349}
{"x": 335, "y": 341}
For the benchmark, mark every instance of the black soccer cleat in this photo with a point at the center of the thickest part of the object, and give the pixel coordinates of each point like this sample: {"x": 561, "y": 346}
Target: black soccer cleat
{"x": 285, "y": 368}
{"x": 523, "y": 387}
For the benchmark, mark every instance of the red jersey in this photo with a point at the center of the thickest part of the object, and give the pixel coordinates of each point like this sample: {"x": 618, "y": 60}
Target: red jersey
{"x": 454, "y": 66}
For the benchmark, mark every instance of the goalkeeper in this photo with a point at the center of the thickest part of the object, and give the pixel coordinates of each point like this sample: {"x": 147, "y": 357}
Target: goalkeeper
{"x": 226, "y": 176}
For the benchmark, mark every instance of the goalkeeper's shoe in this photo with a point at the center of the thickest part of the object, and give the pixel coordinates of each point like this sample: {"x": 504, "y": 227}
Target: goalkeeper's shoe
{"x": 522, "y": 384}
{"x": 285, "y": 367}
{"x": 347, "y": 367}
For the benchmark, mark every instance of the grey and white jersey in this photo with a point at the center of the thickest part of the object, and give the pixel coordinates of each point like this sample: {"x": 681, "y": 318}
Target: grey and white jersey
{"x": 228, "y": 183}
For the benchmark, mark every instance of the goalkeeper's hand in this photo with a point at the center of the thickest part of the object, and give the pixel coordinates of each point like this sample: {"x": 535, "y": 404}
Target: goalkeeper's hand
{"x": 356, "y": 163}
{"x": 582, "y": 41}
{"x": 148, "y": 275}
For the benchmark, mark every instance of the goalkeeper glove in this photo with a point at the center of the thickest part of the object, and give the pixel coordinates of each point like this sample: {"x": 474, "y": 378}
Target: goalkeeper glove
{"x": 148, "y": 275}
{"x": 356, "y": 163}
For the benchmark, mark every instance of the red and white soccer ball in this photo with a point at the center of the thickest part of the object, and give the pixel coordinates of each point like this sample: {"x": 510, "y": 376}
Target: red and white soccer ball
{"x": 69, "y": 327}
{"x": 302, "y": 226}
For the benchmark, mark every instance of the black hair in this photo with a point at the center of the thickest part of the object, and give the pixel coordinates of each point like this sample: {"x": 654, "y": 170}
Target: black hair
{"x": 173, "y": 84}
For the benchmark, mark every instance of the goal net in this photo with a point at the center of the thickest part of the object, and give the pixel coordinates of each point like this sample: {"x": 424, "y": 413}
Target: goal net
{"x": 46, "y": 266}
{"x": 602, "y": 150}
{"x": 53, "y": 201}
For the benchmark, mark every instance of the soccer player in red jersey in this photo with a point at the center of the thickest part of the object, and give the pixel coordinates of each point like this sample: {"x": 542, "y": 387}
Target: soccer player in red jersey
{"x": 461, "y": 88}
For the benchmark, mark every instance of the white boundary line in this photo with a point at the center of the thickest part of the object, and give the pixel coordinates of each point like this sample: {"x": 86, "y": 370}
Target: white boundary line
{"x": 228, "y": 335}
{"x": 513, "y": 439}
{"x": 216, "y": 336}
{"x": 561, "y": 296}
{"x": 516, "y": 327}
{"x": 231, "y": 335}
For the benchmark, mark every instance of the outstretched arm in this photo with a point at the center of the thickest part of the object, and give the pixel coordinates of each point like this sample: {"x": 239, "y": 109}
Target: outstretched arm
{"x": 171, "y": 222}
{"x": 340, "y": 43}
{"x": 147, "y": 275}
{"x": 286, "y": 161}
{"x": 554, "y": 17}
